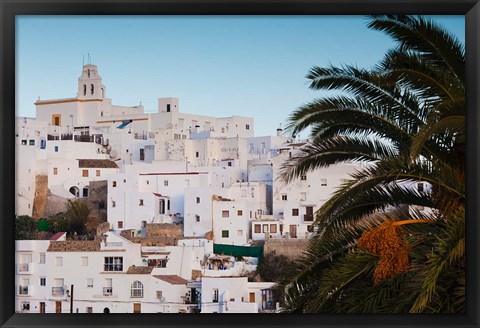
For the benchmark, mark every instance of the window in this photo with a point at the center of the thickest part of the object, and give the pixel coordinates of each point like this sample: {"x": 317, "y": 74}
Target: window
{"x": 89, "y": 282}
{"x": 323, "y": 182}
{"x": 55, "y": 171}
{"x": 124, "y": 180}
{"x": 303, "y": 177}
{"x": 24, "y": 142}
{"x": 120, "y": 224}
{"x": 84, "y": 261}
{"x": 92, "y": 89}
{"x": 84, "y": 89}
{"x": 168, "y": 108}
{"x": 97, "y": 173}
{"x": 197, "y": 217}
{"x": 215, "y": 295}
{"x": 136, "y": 289}
{"x": 159, "y": 294}
{"x": 113, "y": 263}
{"x": 265, "y": 228}
{"x": 247, "y": 127}
{"x": 148, "y": 182}
{"x": 225, "y": 214}
{"x": 294, "y": 211}
{"x": 165, "y": 183}
{"x": 198, "y": 200}
{"x": 229, "y": 163}
{"x": 31, "y": 142}
{"x": 239, "y": 233}
{"x": 239, "y": 213}
{"x": 114, "y": 203}
{"x": 197, "y": 154}
{"x": 140, "y": 202}
{"x": 284, "y": 196}
{"x": 56, "y": 119}
{"x": 84, "y": 173}
{"x": 257, "y": 228}
{"x": 224, "y": 233}
{"x": 42, "y": 258}
{"x": 58, "y": 261}
{"x": 114, "y": 184}
{"x": 89, "y": 309}
{"x": 142, "y": 154}
{"x": 43, "y": 281}
{"x": 56, "y": 149}
{"x": 273, "y": 228}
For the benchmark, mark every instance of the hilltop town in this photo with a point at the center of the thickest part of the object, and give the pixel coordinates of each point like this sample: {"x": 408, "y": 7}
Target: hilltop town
{"x": 182, "y": 208}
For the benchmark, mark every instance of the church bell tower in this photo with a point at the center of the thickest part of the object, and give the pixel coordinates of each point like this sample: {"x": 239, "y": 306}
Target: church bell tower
{"x": 90, "y": 84}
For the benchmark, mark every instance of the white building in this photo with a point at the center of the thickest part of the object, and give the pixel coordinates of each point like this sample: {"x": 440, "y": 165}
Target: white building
{"x": 233, "y": 295}
{"x": 30, "y": 162}
{"x": 112, "y": 275}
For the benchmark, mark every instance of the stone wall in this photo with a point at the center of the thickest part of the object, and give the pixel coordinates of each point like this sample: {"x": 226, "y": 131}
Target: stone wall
{"x": 291, "y": 248}
{"x": 54, "y": 205}
{"x": 170, "y": 230}
{"x": 40, "y": 199}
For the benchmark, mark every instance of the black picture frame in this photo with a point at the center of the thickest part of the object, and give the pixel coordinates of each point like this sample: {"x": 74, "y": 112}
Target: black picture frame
{"x": 10, "y": 8}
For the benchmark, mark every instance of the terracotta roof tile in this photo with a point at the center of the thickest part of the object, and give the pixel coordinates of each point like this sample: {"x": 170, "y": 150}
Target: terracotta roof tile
{"x": 139, "y": 269}
{"x": 172, "y": 279}
{"x": 97, "y": 163}
{"x": 74, "y": 246}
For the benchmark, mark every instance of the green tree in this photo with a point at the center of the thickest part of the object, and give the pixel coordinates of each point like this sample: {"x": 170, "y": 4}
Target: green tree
{"x": 77, "y": 216}
{"x": 405, "y": 119}
{"x": 25, "y": 227}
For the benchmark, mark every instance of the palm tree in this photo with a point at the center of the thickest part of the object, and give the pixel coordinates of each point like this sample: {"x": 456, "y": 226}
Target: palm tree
{"x": 405, "y": 119}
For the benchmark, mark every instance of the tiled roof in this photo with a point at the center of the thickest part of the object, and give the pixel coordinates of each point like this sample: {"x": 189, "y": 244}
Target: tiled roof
{"x": 74, "y": 246}
{"x": 172, "y": 279}
{"x": 57, "y": 235}
{"x": 139, "y": 269}
{"x": 97, "y": 163}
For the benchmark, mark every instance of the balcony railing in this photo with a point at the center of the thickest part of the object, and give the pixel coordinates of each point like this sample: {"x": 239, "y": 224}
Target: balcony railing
{"x": 308, "y": 217}
{"x": 58, "y": 291}
{"x": 23, "y": 268}
{"x": 23, "y": 290}
{"x": 107, "y": 291}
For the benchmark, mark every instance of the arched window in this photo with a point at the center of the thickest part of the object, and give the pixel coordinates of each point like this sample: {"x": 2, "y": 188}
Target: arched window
{"x": 106, "y": 310}
{"x": 101, "y": 93}
{"x": 85, "y": 191}
{"x": 74, "y": 191}
{"x": 91, "y": 88}
{"x": 84, "y": 89}
{"x": 136, "y": 289}
{"x": 88, "y": 73}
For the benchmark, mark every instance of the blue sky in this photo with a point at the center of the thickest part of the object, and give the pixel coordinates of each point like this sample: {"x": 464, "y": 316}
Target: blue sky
{"x": 216, "y": 65}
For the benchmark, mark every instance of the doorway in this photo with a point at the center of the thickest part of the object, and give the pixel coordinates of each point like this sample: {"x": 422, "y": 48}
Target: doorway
{"x": 137, "y": 308}
{"x": 293, "y": 231}
{"x": 58, "y": 307}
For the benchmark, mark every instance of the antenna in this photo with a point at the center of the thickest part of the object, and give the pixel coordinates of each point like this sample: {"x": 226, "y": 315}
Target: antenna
{"x": 83, "y": 60}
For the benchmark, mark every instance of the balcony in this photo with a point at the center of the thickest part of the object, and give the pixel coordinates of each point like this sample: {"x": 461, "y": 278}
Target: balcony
{"x": 24, "y": 291}
{"x": 308, "y": 218}
{"x": 24, "y": 268}
{"x": 58, "y": 291}
{"x": 107, "y": 291}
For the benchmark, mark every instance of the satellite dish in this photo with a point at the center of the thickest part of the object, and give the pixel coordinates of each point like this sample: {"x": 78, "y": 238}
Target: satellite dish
{"x": 113, "y": 154}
